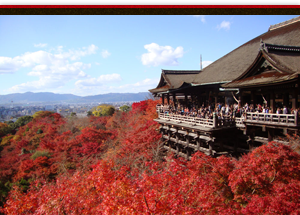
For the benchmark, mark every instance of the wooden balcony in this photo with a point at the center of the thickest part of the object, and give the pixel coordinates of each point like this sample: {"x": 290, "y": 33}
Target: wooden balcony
{"x": 277, "y": 120}
{"x": 260, "y": 119}
{"x": 214, "y": 123}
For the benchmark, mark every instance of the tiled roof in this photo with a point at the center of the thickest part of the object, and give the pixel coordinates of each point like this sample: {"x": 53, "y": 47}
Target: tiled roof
{"x": 281, "y": 24}
{"x": 261, "y": 79}
{"x": 173, "y": 79}
{"x": 281, "y": 44}
{"x": 232, "y": 65}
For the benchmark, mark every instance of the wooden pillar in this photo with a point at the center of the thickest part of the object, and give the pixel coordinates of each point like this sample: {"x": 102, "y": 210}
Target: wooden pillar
{"x": 198, "y": 142}
{"x": 162, "y": 133}
{"x": 193, "y": 98}
{"x": 241, "y": 100}
{"x": 207, "y": 99}
{"x": 295, "y": 99}
{"x": 285, "y": 99}
{"x": 174, "y": 100}
{"x": 168, "y": 99}
{"x": 253, "y": 98}
{"x": 188, "y": 153}
{"x": 177, "y": 149}
{"x": 163, "y": 99}
{"x": 211, "y": 147}
{"x": 251, "y": 140}
{"x": 198, "y": 101}
{"x": 235, "y": 145}
{"x": 216, "y": 99}
{"x": 187, "y": 140}
{"x": 272, "y": 102}
{"x": 221, "y": 145}
{"x": 215, "y": 120}
{"x": 169, "y": 132}
{"x": 177, "y": 145}
{"x": 186, "y": 100}
{"x": 268, "y": 99}
{"x": 270, "y": 134}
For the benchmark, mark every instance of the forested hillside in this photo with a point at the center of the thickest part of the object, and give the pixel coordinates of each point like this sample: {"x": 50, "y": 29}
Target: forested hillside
{"x": 116, "y": 165}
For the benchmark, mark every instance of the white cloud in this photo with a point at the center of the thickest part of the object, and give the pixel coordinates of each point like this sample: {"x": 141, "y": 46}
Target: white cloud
{"x": 52, "y": 70}
{"x": 102, "y": 79}
{"x": 93, "y": 87}
{"x": 202, "y": 17}
{"x": 206, "y": 63}
{"x": 161, "y": 55}
{"x": 225, "y": 25}
{"x": 141, "y": 86}
{"x": 105, "y": 53}
{"x": 77, "y": 54}
{"x": 40, "y": 45}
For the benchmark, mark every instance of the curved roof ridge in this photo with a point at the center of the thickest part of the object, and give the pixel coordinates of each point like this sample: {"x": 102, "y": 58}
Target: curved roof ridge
{"x": 180, "y": 71}
{"x": 281, "y": 24}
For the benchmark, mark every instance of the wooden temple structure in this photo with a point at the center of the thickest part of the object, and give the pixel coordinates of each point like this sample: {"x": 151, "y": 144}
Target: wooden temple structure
{"x": 265, "y": 70}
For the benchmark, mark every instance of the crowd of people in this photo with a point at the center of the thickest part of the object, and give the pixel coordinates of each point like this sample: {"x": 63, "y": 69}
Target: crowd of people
{"x": 222, "y": 110}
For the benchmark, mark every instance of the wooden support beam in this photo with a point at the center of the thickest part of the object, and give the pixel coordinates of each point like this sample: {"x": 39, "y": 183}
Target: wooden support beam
{"x": 272, "y": 102}
{"x": 216, "y": 100}
{"x": 241, "y": 99}
{"x": 174, "y": 101}
{"x": 235, "y": 145}
{"x": 270, "y": 134}
{"x": 221, "y": 145}
{"x": 186, "y": 100}
{"x": 198, "y": 142}
{"x": 187, "y": 139}
{"x": 211, "y": 147}
{"x": 251, "y": 139}
{"x": 253, "y": 98}
{"x": 285, "y": 99}
{"x": 188, "y": 153}
{"x": 295, "y": 98}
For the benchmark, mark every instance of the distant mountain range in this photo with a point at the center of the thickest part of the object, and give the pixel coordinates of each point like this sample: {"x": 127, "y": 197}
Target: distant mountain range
{"x": 30, "y": 97}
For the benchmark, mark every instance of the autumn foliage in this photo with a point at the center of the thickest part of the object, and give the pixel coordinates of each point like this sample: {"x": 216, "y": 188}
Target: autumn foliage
{"x": 116, "y": 165}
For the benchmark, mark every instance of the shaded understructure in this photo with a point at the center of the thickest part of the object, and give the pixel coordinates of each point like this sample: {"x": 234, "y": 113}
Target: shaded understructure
{"x": 264, "y": 70}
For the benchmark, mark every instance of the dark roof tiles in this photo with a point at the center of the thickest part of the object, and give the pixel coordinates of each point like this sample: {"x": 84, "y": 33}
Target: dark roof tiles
{"x": 236, "y": 62}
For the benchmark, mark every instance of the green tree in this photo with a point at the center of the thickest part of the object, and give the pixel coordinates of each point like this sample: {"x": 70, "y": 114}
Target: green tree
{"x": 23, "y": 120}
{"x": 4, "y": 129}
{"x": 41, "y": 114}
{"x": 103, "y": 110}
{"x": 125, "y": 108}
{"x": 73, "y": 114}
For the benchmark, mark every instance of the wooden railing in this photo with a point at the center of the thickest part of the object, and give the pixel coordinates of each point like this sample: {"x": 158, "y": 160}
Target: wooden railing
{"x": 239, "y": 122}
{"x": 259, "y": 118}
{"x": 210, "y": 123}
{"x": 272, "y": 119}
{"x": 187, "y": 119}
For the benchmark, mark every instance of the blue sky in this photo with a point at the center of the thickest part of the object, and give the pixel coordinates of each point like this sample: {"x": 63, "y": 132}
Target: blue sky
{"x": 90, "y": 55}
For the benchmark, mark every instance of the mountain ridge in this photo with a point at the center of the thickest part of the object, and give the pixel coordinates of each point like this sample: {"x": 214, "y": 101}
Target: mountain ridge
{"x": 31, "y": 97}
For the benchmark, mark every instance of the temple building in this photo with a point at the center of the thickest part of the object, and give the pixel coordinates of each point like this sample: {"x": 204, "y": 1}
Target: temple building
{"x": 262, "y": 72}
